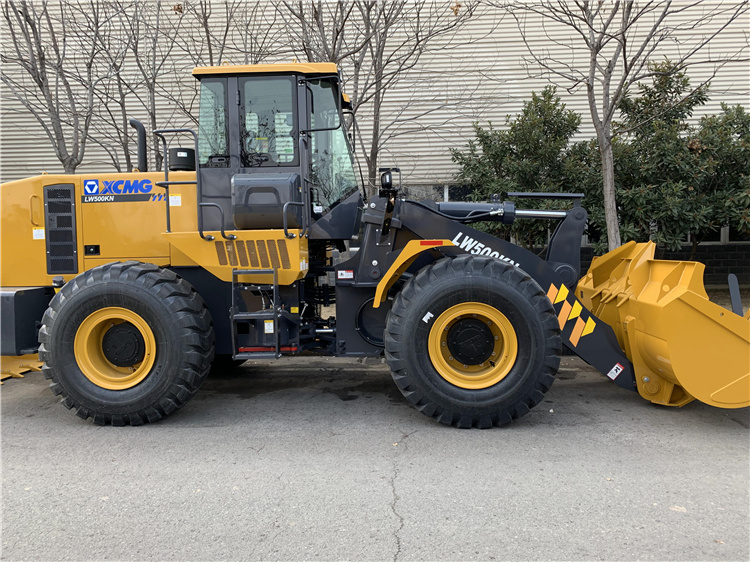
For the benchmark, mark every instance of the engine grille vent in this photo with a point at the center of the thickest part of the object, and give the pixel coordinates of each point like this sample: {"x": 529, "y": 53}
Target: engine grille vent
{"x": 260, "y": 253}
{"x": 60, "y": 221}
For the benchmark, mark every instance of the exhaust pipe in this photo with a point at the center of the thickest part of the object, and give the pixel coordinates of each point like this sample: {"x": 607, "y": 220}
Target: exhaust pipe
{"x": 142, "y": 160}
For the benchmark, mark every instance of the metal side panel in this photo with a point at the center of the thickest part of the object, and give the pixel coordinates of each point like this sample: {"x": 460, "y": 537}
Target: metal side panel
{"x": 23, "y": 308}
{"x": 251, "y": 249}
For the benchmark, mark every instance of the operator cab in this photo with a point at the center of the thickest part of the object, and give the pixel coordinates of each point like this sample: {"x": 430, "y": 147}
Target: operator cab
{"x": 273, "y": 151}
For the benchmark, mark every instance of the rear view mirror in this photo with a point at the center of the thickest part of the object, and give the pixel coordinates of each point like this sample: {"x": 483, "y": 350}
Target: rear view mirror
{"x": 325, "y": 114}
{"x": 386, "y": 180}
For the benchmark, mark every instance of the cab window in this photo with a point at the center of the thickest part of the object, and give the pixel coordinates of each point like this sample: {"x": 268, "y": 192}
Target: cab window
{"x": 213, "y": 135}
{"x": 331, "y": 165}
{"x": 267, "y": 122}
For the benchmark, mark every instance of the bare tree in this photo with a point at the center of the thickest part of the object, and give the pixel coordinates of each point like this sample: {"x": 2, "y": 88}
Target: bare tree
{"x": 619, "y": 38}
{"x": 138, "y": 48}
{"x": 376, "y": 44}
{"x": 152, "y": 28}
{"x": 51, "y": 62}
{"x": 109, "y": 128}
{"x": 257, "y": 36}
{"x": 213, "y": 33}
{"x": 164, "y": 42}
{"x": 212, "y": 23}
{"x": 329, "y": 31}
{"x": 231, "y": 31}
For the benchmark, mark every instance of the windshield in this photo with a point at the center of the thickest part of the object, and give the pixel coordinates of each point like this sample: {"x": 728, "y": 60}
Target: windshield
{"x": 213, "y": 137}
{"x": 267, "y": 124}
{"x": 331, "y": 166}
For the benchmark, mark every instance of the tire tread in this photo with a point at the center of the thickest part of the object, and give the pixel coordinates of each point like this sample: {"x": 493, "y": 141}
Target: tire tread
{"x": 397, "y": 340}
{"x": 189, "y": 313}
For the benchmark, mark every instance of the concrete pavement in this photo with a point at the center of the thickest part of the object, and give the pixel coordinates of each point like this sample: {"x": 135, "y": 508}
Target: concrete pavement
{"x": 321, "y": 459}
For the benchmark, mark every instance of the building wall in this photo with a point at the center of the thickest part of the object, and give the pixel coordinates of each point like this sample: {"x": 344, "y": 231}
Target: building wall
{"x": 478, "y": 75}
{"x": 720, "y": 260}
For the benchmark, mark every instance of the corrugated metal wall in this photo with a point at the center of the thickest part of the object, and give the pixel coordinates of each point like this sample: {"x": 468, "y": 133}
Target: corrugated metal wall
{"x": 480, "y": 74}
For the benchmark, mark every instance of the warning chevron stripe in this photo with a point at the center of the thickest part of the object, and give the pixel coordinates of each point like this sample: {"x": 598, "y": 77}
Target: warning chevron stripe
{"x": 570, "y": 311}
{"x": 564, "y": 312}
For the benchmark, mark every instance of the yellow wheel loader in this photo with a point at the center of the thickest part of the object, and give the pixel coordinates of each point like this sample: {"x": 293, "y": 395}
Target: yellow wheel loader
{"x": 129, "y": 285}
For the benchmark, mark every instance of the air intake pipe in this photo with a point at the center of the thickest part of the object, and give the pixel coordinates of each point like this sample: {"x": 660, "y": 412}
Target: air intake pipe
{"x": 142, "y": 160}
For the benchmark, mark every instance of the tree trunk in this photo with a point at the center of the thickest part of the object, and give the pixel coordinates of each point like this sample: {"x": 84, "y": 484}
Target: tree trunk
{"x": 125, "y": 124}
{"x": 372, "y": 174}
{"x": 610, "y": 203}
{"x": 158, "y": 157}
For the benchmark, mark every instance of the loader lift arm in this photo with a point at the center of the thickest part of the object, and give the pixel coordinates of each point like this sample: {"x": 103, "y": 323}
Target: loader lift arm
{"x": 582, "y": 332}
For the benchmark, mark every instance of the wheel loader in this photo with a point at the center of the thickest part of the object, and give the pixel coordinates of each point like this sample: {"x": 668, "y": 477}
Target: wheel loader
{"x": 130, "y": 285}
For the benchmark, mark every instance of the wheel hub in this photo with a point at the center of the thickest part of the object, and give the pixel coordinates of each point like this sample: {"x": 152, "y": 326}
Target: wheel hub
{"x": 115, "y": 348}
{"x": 123, "y": 345}
{"x": 471, "y": 341}
{"x": 472, "y": 345}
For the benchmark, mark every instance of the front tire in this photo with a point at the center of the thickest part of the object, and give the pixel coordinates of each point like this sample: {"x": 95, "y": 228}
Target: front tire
{"x": 126, "y": 343}
{"x": 473, "y": 342}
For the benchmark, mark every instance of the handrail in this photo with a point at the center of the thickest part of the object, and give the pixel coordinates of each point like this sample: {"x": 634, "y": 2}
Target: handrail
{"x": 283, "y": 214}
{"x": 306, "y": 201}
{"x": 165, "y": 185}
{"x": 223, "y": 234}
{"x": 198, "y": 187}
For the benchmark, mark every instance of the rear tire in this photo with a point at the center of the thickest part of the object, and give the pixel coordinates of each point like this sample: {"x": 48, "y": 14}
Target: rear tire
{"x": 126, "y": 343}
{"x": 473, "y": 342}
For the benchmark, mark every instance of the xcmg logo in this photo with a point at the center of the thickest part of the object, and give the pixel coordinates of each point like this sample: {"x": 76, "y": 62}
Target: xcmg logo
{"x": 109, "y": 191}
{"x": 117, "y": 187}
{"x": 91, "y": 187}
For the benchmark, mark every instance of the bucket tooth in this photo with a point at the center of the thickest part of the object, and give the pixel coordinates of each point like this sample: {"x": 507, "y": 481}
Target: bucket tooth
{"x": 682, "y": 346}
{"x": 17, "y": 366}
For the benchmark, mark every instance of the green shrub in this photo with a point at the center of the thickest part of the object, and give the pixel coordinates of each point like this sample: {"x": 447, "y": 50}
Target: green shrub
{"x": 672, "y": 179}
{"x": 526, "y": 156}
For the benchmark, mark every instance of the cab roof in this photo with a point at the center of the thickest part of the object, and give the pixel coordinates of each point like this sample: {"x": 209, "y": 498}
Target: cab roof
{"x": 291, "y": 68}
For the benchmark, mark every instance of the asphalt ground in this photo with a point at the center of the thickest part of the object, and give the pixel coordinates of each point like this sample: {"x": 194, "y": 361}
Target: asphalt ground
{"x": 322, "y": 459}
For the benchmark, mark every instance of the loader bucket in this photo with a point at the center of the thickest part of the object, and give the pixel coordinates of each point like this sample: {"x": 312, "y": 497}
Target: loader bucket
{"x": 17, "y": 366}
{"x": 682, "y": 346}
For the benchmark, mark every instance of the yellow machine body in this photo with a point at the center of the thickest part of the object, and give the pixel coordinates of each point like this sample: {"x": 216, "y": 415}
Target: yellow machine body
{"x": 253, "y": 249}
{"x": 682, "y": 345}
{"x": 135, "y": 230}
{"x": 252, "y": 293}
{"x": 126, "y": 230}
{"x": 311, "y": 68}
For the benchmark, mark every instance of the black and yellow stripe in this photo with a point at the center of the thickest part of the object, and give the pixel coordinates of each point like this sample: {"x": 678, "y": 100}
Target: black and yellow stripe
{"x": 570, "y": 311}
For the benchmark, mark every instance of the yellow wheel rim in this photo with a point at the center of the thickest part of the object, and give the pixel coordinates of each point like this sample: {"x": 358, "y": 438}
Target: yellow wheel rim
{"x": 90, "y": 355}
{"x": 487, "y": 373}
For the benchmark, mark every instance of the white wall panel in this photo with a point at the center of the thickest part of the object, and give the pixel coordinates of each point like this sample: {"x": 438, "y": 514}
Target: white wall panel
{"x": 478, "y": 75}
